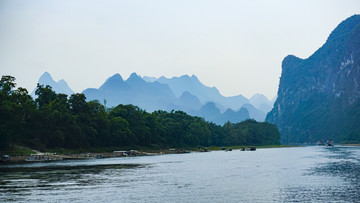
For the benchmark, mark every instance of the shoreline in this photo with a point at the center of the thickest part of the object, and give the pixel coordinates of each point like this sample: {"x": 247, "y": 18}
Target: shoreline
{"x": 354, "y": 145}
{"x": 62, "y": 155}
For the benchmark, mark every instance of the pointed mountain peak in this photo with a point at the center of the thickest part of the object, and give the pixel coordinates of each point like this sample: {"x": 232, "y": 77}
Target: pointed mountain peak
{"x": 194, "y": 77}
{"x": 117, "y": 76}
{"x": 258, "y": 96}
{"x": 134, "y": 76}
{"x": 185, "y": 77}
{"x": 114, "y": 81}
{"x": 46, "y": 77}
{"x": 135, "y": 79}
{"x": 163, "y": 78}
{"x": 62, "y": 82}
{"x": 210, "y": 105}
{"x": 46, "y": 74}
{"x": 59, "y": 87}
{"x": 186, "y": 94}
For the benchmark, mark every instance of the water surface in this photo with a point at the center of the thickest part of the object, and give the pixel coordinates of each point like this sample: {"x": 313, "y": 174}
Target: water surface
{"x": 300, "y": 174}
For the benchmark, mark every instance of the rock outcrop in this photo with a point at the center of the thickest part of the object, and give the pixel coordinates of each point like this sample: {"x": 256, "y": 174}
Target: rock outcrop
{"x": 319, "y": 97}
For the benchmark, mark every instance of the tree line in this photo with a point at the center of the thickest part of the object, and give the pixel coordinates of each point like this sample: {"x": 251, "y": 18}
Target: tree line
{"x": 57, "y": 121}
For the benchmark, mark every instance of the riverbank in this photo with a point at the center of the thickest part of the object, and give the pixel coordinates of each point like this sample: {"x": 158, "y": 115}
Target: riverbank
{"x": 22, "y": 154}
{"x": 248, "y": 146}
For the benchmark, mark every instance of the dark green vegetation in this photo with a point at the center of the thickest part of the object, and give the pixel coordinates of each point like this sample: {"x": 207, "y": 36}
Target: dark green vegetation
{"x": 319, "y": 97}
{"x": 56, "y": 121}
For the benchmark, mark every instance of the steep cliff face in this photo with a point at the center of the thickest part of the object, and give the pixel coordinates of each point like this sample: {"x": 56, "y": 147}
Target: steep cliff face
{"x": 319, "y": 97}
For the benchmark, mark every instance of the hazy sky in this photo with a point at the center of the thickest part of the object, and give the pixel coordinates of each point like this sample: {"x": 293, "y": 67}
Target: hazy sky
{"x": 236, "y": 46}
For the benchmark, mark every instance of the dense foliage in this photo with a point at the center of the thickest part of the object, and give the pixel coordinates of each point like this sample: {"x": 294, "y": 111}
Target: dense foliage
{"x": 58, "y": 121}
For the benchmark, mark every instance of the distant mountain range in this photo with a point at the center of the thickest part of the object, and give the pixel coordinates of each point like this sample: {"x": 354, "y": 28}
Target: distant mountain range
{"x": 205, "y": 94}
{"x": 60, "y": 87}
{"x": 183, "y": 93}
{"x": 150, "y": 96}
{"x": 319, "y": 97}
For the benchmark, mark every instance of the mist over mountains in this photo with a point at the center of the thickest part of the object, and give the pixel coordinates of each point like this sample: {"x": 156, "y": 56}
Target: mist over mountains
{"x": 204, "y": 93}
{"x": 183, "y": 93}
{"x": 318, "y": 97}
{"x": 149, "y": 96}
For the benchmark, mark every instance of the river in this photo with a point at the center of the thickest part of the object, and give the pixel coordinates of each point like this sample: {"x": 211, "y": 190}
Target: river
{"x": 298, "y": 174}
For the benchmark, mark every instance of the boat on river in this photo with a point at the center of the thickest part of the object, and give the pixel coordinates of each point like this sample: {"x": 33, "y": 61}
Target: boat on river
{"x": 248, "y": 149}
{"x": 43, "y": 157}
{"x": 5, "y": 158}
{"x": 320, "y": 143}
{"x": 329, "y": 143}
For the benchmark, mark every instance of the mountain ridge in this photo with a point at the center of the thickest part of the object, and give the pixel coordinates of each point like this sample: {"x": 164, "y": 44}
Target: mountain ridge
{"x": 60, "y": 87}
{"x": 317, "y": 96}
{"x": 157, "y": 95}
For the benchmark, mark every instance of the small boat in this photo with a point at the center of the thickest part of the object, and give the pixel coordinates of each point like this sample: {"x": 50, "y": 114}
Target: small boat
{"x": 329, "y": 143}
{"x": 250, "y": 149}
{"x": 120, "y": 153}
{"x": 320, "y": 143}
{"x": 5, "y": 158}
{"x": 43, "y": 157}
{"x": 203, "y": 149}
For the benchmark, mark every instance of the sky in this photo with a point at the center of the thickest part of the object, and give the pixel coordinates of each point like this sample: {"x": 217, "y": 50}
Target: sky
{"x": 234, "y": 45}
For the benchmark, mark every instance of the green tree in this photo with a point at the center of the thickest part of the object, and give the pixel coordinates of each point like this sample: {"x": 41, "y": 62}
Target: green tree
{"x": 8, "y": 120}
{"x": 45, "y": 95}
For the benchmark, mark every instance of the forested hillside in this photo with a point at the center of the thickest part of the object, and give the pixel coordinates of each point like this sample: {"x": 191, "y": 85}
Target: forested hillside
{"x": 58, "y": 121}
{"x": 319, "y": 97}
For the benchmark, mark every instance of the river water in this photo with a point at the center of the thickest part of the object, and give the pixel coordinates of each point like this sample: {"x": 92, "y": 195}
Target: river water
{"x": 299, "y": 174}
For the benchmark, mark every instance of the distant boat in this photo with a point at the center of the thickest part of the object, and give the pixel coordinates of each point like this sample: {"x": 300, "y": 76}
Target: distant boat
{"x": 249, "y": 149}
{"x": 5, "y": 158}
{"x": 43, "y": 157}
{"x": 203, "y": 149}
{"x": 320, "y": 142}
{"x": 329, "y": 143}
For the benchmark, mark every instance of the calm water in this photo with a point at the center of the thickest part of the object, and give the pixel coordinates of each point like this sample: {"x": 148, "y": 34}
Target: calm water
{"x": 303, "y": 174}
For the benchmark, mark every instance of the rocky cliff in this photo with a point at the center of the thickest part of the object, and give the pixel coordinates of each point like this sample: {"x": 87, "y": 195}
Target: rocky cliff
{"x": 319, "y": 97}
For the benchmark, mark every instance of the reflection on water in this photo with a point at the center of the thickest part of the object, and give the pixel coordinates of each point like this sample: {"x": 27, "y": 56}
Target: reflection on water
{"x": 37, "y": 182}
{"x": 345, "y": 164}
{"x": 304, "y": 174}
